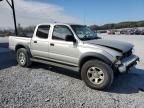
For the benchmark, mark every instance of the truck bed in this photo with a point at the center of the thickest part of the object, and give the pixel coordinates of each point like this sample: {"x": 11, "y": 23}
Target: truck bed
{"x": 14, "y": 40}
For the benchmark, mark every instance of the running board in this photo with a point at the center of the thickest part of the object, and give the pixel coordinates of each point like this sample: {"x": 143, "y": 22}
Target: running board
{"x": 69, "y": 67}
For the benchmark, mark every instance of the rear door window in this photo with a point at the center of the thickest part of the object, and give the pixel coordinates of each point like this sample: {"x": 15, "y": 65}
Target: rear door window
{"x": 43, "y": 31}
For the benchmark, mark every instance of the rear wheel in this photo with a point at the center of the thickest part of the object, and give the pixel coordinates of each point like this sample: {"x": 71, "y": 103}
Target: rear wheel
{"x": 97, "y": 75}
{"x": 23, "y": 57}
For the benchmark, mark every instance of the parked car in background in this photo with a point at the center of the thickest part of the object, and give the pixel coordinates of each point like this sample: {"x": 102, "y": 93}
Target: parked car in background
{"x": 111, "y": 32}
{"x": 133, "y": 31}
{"x": 142, "y": 32}
{"x": 123, "y": 31}
{"x": 101, "y": 31}
{"x": 137, "y": 32}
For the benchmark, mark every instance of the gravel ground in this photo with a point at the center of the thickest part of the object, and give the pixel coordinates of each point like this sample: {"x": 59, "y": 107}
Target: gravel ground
{"x": 43, "y": 86}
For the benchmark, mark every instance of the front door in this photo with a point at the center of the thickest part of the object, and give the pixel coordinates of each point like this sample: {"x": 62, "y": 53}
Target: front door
{"x": 62, "y": 50}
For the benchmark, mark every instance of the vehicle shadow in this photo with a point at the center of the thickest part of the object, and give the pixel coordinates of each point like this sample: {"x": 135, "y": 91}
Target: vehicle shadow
{"x": 133, "y": 82}
{"x": 7, "y": 59}
{"x": 55, "y": 69}
{"x": 4, "y": 45}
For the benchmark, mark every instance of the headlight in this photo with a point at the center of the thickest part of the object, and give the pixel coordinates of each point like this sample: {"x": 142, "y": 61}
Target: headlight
{"x": 118, "y": 57}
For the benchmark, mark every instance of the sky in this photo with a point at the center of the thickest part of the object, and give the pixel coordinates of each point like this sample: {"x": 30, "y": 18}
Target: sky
{"x": 32, "y": 12}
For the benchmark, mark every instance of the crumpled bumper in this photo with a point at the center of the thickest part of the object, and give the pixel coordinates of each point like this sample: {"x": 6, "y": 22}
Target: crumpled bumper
{"x": 127, "y": 63}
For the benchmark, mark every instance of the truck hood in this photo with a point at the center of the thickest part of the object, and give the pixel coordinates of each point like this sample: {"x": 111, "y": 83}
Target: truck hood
{"x": 113, "y": 44}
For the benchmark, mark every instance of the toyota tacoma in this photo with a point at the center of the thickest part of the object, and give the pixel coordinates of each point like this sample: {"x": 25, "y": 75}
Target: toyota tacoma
{"x": 75, "y": 47}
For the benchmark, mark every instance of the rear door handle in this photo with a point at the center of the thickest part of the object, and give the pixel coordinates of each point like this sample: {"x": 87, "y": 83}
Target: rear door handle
{"x": 51, "y": 44}
{"x": 35, "y": 41}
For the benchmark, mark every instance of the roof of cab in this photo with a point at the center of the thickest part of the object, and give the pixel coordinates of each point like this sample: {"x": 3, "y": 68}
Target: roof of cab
{"x": 58, "y": 24}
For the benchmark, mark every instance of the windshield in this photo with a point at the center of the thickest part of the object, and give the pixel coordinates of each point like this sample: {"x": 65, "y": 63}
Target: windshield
{"x": 84, "y": 33}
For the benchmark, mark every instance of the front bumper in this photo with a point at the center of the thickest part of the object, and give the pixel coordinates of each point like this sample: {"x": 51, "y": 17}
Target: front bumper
{"x": 127, "y": 63}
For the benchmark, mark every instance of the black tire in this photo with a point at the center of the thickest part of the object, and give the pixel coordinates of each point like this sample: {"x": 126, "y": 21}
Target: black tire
{"x": 26, "y": 62}
{"x": 97, "y": 67}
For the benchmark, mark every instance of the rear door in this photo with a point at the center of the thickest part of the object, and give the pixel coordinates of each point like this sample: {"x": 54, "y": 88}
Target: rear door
{"x": 39, "y": 43}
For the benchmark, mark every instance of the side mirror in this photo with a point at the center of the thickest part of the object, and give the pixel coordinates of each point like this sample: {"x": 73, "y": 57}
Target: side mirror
{"x": 70, "y": 38}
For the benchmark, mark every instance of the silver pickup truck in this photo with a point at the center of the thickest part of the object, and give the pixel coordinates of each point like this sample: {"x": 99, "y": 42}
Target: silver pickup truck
{"x": 78, "y": 48}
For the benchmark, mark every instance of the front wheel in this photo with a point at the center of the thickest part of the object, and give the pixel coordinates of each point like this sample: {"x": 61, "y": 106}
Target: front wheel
{"x": 97, "y": 74}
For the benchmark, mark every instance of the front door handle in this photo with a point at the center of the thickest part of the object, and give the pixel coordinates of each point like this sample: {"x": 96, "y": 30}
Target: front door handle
{"x": 35, "y": 41}
{"x": 51, "y": 44}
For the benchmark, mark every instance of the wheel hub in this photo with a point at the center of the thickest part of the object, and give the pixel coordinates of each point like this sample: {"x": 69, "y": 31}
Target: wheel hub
{"x": 95, "y": 75}
{"x": 22, "y": 58}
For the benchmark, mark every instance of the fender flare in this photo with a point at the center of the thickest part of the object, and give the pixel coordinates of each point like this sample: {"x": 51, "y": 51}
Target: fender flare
{"x": 20, "y": 45}
{"x": 98, "y": 56}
